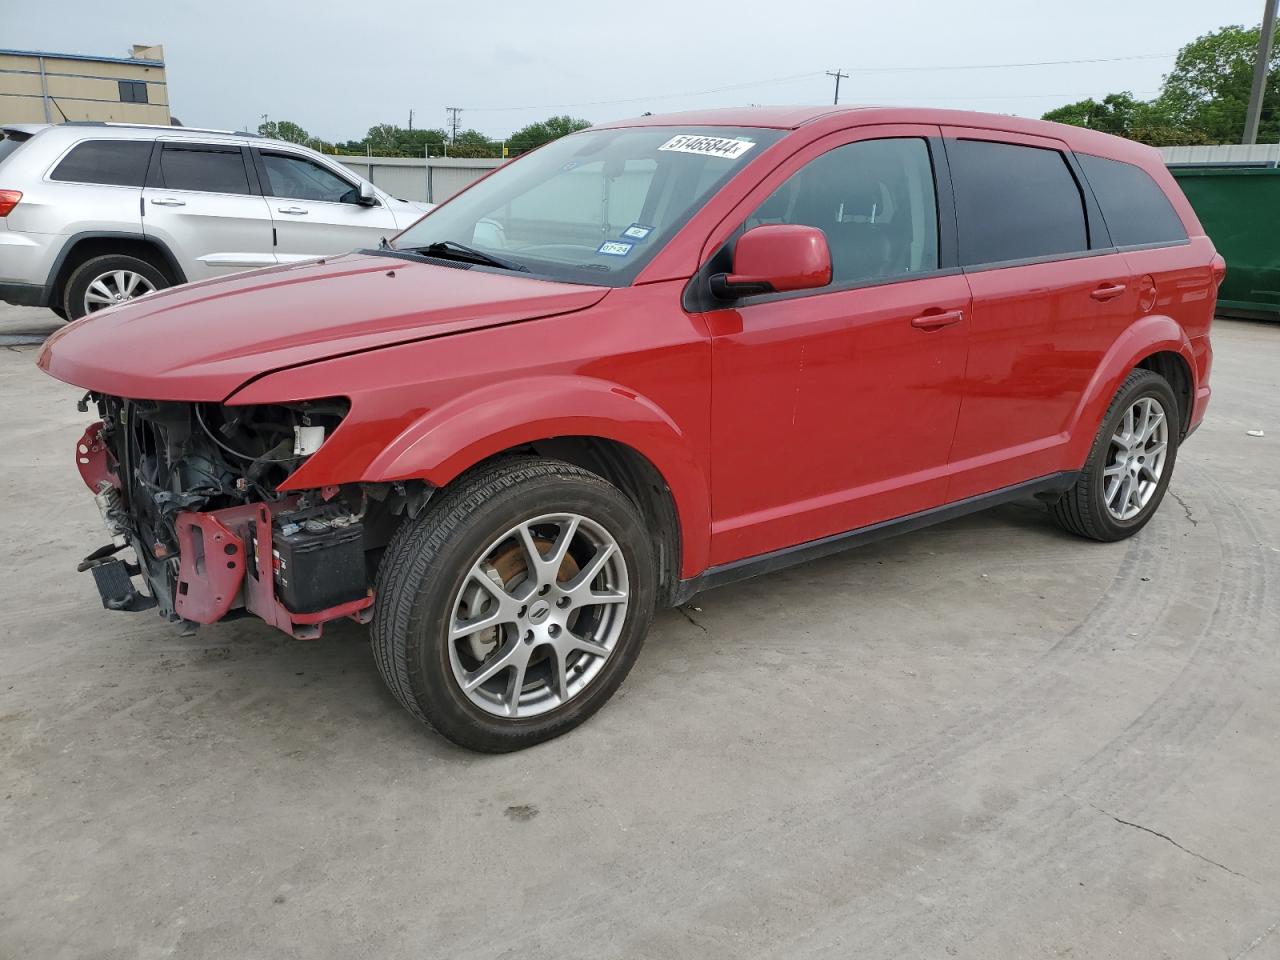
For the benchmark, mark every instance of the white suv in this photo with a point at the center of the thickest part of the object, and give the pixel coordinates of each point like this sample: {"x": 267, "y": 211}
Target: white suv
{"x": 92, "y": 214}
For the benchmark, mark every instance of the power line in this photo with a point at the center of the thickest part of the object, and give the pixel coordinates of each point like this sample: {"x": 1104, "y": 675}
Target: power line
{"x": 1029, "y": 63}
{"x": 819, "y": 73}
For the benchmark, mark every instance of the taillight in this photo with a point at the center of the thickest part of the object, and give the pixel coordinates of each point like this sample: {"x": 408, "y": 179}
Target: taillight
{"x": 1219, "y": 269}
{"x": 8, "y": 200}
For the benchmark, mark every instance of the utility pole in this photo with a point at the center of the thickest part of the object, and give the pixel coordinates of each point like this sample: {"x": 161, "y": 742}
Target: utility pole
{"x": 837, "y": 74}
{"x": 454, "y": 113}
{"x": 411, "y": 121}
{"x": 1254, "y": 114}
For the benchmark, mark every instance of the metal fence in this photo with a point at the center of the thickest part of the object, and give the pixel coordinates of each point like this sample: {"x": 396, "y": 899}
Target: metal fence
{"x": 1223, "y": 153}
{"x": 419, "y": 178}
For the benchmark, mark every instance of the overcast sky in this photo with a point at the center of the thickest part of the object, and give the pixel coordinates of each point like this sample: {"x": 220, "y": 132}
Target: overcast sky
{"x": 339, "y": 67}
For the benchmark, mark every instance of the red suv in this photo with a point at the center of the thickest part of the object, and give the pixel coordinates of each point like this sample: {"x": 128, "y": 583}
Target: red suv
{"x": 650, "y": 358}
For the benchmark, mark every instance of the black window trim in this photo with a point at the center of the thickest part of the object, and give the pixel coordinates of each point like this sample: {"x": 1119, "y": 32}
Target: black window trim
{"x": 264, "y": 177}
{"x": 154, "y": 180}
{"x": 697, "y": 296}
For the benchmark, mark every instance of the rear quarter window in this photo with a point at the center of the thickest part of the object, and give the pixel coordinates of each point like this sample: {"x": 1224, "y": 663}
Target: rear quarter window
{"x": 1014, "y": 202}
{"x": 1135, "y": 208}
{"x": 121, "y": 163}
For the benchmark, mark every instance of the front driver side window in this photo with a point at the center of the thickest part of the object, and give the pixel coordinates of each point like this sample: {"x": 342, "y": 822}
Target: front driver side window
{"x": 875, "y": 202}
{"x": 297, "y": 179}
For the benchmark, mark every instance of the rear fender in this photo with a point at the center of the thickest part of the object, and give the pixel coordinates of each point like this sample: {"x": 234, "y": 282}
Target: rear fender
{"x": 448, "y": 440}
{"x": 1150, "y": 335}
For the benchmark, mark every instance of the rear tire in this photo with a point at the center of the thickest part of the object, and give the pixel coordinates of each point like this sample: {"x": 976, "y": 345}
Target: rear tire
{"x": 1117, "y": 492}
{"x": 467, "y": 560}
{"x": 105, "y": 281}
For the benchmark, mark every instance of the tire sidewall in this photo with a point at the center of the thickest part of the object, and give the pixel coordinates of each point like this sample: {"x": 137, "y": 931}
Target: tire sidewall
{"x": 1151, "y": 385}
{"x": 430, "y": 670}
{"x": 83, "y": 275}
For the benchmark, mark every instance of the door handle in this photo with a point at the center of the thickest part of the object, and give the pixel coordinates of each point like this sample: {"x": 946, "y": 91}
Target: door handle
{"x": 936, "y": 321}
{"x": 168, "y": 202}
{"x": 1108, "y": 291}
{"x": 294, "y": 211}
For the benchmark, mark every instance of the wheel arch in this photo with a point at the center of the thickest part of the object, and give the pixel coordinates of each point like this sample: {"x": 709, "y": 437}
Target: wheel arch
{"x": 1156, "y": 343}
{"x": 97, "y": 243}
{"x": 597, "y": 425}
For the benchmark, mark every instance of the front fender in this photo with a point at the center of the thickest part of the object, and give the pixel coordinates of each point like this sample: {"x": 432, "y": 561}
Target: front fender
{"x": 1150, "y": 335}
{"x": 447, "y": 440}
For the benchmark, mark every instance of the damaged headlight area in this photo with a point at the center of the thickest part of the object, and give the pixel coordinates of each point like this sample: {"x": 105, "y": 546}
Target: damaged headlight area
{"x": 194, "y": 489}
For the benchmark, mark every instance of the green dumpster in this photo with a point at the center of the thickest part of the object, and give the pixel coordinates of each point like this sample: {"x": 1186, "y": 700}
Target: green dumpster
{"x": 1239, "y": 206}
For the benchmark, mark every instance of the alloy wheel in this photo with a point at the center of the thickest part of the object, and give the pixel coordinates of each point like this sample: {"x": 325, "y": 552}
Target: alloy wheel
{"x": 115, "y": 286}
{"x": 1139, "y": 448}
{"x": 538, "y": 615}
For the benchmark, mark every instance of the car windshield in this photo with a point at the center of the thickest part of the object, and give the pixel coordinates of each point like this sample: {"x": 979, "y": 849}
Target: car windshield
{"x": 592, "y": 207}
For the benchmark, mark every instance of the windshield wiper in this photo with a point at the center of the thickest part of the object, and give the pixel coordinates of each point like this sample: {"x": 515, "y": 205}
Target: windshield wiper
{"x": 452, "y": 249}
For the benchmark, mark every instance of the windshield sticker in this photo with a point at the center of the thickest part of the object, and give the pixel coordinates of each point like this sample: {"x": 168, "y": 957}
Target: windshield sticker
{"x": 570, "y": 165}
{"x": 615, "y": 248}
{"x": 730, "y": 148}
{"x": 637, "y": 231}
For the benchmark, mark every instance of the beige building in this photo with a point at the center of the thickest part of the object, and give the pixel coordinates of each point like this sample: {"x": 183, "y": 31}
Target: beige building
{"x": 39, "y": 87}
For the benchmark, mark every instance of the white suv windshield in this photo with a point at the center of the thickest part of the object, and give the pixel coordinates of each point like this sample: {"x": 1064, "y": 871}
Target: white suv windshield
{"x": 592, "y": 207}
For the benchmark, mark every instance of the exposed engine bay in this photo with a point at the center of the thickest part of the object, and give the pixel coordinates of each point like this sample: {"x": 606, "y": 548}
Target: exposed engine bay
{"x": 192, "y": 488}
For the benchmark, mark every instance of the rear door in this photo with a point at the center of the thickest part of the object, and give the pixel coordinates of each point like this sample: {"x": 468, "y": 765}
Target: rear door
{"x": 202, "y": 200}
{"x": 315, "y": 209}
{"x": 1050, "y": 295}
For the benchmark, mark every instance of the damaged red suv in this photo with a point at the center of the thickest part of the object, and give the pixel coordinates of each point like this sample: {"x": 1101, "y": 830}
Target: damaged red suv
{"x": 647, "y": 359}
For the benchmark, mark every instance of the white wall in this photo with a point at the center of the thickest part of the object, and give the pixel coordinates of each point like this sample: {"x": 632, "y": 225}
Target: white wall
{"x": 418, "y": 178}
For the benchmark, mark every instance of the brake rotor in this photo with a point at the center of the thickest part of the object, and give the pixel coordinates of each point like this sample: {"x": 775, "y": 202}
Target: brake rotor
{"x": 507, "y": 570}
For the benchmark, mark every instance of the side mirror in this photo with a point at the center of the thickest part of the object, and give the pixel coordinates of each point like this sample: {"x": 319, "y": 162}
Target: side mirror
{"x": 367, "y": 197}
{"x": 776, "y": 258}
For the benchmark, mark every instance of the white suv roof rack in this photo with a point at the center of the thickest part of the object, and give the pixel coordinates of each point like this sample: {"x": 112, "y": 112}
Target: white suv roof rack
{"x": 156, "y": 126}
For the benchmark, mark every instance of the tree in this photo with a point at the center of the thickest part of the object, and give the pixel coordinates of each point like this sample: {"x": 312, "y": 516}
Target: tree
{"x": 544, "y": 131}
{"x": 473, "y": 143}
{"x": 1202, "y": 99}
{"x": 389, "y": 140}
{"x": 283, "y": 130}
{"x": 1208, "y": 89}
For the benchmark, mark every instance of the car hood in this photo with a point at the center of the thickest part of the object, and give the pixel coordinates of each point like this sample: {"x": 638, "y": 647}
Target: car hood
{"x": 202, "y": 341}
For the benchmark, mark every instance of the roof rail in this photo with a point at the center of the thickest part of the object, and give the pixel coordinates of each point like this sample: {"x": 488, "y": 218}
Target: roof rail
{"x": 156, "y": 126}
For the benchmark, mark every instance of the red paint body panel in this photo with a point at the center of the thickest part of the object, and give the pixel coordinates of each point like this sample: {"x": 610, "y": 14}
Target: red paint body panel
{"x": 773, "y": 424}
{"x": 94, "y": 459}
{"x": 203, "y": 340}
{"x": 832, "y": 412}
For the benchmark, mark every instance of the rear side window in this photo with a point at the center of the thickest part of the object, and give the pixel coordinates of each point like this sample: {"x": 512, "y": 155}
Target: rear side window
{"x": 1135, "y": 208}
{"x": 210, "y": 169}
{"x": 121, "y": 163}
{"x": 1014, "y": 202}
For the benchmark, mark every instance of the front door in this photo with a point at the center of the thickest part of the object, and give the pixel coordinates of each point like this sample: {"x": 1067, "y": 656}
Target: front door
{"x": 316, "y": 210}
{"x": 199, "y": 202}
{"x": 835, "y": 408}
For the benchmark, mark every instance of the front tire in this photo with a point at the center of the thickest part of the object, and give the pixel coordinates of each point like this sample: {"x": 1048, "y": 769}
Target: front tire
{"x": 514, "y": 607}
{"x": 102, "y": 282}
{"x": 1130, "y": 463}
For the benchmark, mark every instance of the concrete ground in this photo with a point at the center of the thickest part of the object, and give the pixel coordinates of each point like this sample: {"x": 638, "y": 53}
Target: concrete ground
{"x": 985, "y": 740}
